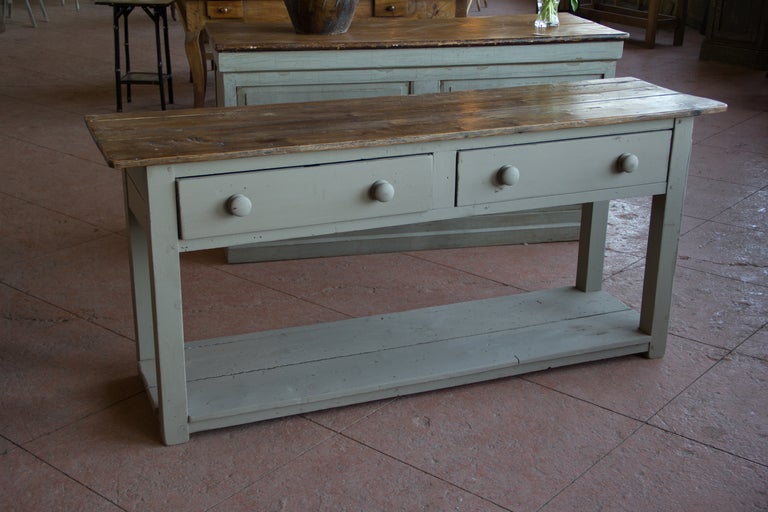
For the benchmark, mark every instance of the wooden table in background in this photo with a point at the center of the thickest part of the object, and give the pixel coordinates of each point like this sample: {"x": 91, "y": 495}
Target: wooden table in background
{"x": 197, "y": 13}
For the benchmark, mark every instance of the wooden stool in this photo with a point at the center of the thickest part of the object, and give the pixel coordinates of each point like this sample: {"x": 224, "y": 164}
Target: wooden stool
{"x": 602, "y": 11}
{"x": 157, "y": 11}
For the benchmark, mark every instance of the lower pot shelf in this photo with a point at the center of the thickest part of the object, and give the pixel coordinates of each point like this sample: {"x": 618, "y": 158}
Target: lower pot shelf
{"x": 253, "y": 377}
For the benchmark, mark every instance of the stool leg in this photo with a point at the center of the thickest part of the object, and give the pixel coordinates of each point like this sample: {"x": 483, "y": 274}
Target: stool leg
{"x": 127, "y": 50}
{"x": 168, "y": 71}
{"x": 160, "y": 78}
{"x": 116, "y": 30}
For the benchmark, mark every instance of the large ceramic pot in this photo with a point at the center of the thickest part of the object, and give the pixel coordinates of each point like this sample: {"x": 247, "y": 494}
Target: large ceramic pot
{"x": 321, "y": 16}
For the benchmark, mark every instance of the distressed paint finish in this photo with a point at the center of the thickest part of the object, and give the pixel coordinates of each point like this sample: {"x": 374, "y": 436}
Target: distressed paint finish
{"x": 175, "y": 162}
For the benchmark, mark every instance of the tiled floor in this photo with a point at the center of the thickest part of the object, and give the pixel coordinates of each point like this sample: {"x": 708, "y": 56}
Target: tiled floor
{"x": 688, "y": 432}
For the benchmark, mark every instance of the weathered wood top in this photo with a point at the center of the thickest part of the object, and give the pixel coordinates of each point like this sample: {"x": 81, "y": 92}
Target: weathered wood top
{"x": 198, "y": 135}
{"x": 375, "y": 33}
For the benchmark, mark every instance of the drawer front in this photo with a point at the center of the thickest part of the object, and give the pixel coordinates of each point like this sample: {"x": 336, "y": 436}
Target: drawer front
{"x": 552, "y": 168}
{"x": 224, "y": 9}
{"x": 390, "y": 8}
{"x": 303, "y": 196}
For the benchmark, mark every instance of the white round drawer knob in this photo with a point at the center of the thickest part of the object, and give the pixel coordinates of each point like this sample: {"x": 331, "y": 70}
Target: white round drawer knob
{"x": 628, "y": 162}
{"x": 239, "y": 205}
{"x": 382, "y": 191}
{"x": 508, "y": 175}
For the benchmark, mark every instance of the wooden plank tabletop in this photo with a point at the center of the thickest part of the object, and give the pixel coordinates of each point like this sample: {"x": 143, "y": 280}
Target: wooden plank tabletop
{"x": 199, "y": 135}
{"x": 376, "y": 33}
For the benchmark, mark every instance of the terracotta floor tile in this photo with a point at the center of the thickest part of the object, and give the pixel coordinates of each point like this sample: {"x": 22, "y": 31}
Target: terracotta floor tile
{"x": 339, "y": 419}
{"x": 731, "y": 165}
{"x": 87, "y": 191}
{"x": 341, "y": 474}
{"x": 6, "y": 446}
{"x": 745, "y": 136}
{"x": 371, "y": 284}
{"x": 729, "y": 251}
{"x": 218, "y": 303}
{"x": 756, "y": 345}
{"x": 628, "y": 227}
{"x": 91, "y": 280}
{"x": 634, "y": 386}
{"x": 705, "y": 307}
{"x": 656, "y": 471}
{"x": 62, "y": 131}
{"x": 27, "y": 483}
{"x": 708, "y": 129}
{"x": 527, "y": 267}
{"x": 750, "y": 213}
{"x": 511, "y": 441}
{"x": 75, "y": 178}
{"x": 705, "y": 198}
{"x": 28, "y": 230}
{"x": 125, "y": 463}
{"x": 56, "y": 368}
{"x": 726, "y": 408}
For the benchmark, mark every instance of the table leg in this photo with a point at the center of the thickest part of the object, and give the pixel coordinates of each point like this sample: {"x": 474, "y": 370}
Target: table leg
{"x": 165, "y": 278}
{"x": 681, "y": 13}
{"x": 156, "y": 16}
{"x": 594, "y": 224}
{"x": 140, "y": 277}
{"x": 196, "y": 57}
{"x": 652, "y": 25}
{"x": 116, "y": 29}
{"x": 125, "y": 12}
{"x": 168, "y": 71}
{"x": 663, "y": 235}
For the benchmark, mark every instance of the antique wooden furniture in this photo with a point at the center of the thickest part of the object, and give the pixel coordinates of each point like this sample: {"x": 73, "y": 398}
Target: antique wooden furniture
{"x": 157, "y": 10}
{"x": 737, "y": 33}
{"x": 197, "y": 13}
{"x": 651, "y": 19}
{"x": 259, "y": 63}
{"x": 200, "y": 179}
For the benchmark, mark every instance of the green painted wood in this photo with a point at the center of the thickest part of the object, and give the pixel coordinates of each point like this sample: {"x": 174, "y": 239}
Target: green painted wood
{"x": 594, "y": 226}
{"x": 222, "y": 382}
{"x": 664, "y": 231}
{"x": 282, "y": 372}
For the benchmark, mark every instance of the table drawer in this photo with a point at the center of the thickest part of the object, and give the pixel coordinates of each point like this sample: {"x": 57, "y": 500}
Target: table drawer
{"x": 552, "y": 168}
{"x": 224, "y": 9}
{"x": 245, "y": 202}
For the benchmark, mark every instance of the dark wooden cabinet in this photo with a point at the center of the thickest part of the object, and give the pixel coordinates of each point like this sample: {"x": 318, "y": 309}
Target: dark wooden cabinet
{"x": 737, "y": 33}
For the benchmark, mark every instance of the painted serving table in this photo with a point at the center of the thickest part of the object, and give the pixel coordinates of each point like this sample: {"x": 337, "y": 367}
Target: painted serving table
{"x": 200, "y": 179}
